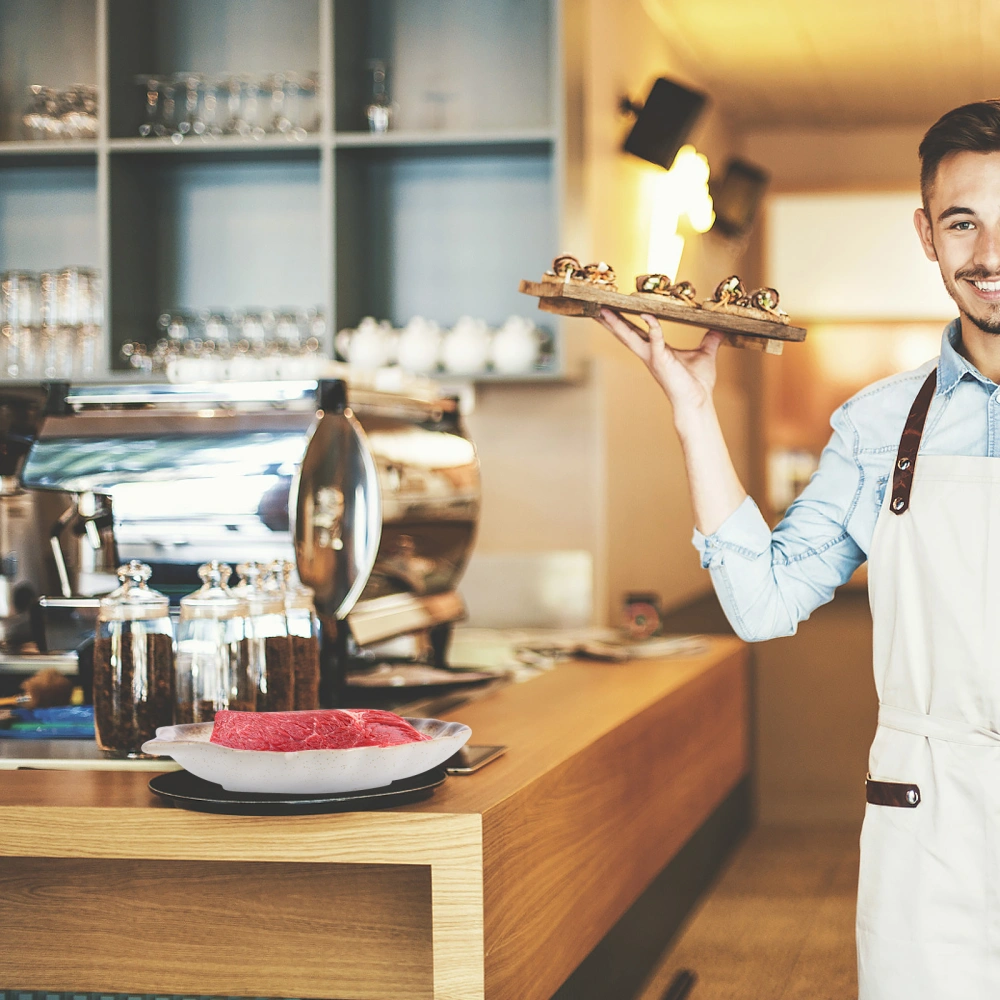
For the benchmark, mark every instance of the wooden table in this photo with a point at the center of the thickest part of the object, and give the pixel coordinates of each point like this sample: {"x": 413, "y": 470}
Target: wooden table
{"x": 497, "y": 886}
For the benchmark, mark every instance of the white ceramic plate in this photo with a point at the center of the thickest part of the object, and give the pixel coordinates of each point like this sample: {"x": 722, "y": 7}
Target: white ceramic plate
{"x": 306, "y": 772}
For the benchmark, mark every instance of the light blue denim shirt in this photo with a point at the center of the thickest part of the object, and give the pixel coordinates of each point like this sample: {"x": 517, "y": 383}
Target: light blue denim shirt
{"x": 767, "y": 582}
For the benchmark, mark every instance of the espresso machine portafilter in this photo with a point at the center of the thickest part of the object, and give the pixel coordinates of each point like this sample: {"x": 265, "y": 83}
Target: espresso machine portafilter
{"x": 375, "y": 495}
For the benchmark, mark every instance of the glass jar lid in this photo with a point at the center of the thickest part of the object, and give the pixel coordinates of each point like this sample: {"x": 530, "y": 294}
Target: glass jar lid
{"x": 133, "y": 600}
{"x": 261, "y": 599}
{"x": 296, "y": 594}
{"x": 214, "y": 599}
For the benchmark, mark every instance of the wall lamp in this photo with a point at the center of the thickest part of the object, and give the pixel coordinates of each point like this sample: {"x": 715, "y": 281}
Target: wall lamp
{"x": 664, "y": 122}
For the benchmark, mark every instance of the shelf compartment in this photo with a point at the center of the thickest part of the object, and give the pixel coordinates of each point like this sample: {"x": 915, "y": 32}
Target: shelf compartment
{"x": 441, "y": 233}
{"x": 452, "y": 64}
{"x": 197, "y": 235}
{"x": 34, "y": 51}
{"x": 205, "y": 36}
{"x": 48, "y": 216}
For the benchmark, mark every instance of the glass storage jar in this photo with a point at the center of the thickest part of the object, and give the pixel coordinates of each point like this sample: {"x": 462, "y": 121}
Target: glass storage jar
{"x": 213, "y": 658}
{"x": 304, "y": 633}
{"x": 133, "y": 664}
{"x": 270, "y": 646}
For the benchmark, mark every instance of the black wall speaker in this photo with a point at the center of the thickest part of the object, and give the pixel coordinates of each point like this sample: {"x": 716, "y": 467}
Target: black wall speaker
{"x": 737, "y": 196}
{"x": 664, "y": 122}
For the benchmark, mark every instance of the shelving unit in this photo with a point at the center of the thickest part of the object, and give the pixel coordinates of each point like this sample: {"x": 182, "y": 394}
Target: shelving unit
{"x": 438, "y": 217}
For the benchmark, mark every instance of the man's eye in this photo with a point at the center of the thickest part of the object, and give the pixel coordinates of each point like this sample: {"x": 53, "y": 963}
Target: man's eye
{"x": 963, "y": 225}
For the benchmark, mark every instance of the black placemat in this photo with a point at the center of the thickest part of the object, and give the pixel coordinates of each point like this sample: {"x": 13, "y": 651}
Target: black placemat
{"x": 182, "y": 788}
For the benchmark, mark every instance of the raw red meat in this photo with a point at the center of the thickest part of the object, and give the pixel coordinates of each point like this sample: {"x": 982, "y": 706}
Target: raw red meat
{"x": 328, "y": 729}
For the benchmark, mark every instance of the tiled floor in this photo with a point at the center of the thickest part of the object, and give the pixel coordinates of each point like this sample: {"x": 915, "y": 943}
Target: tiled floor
{"x": 778, "y": 925}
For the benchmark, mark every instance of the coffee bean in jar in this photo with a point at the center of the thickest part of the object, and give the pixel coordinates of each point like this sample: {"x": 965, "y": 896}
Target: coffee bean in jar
{"x": 133, "y": 665}
{"x": 270, "y": 648}
{"x": 303, "y": 631}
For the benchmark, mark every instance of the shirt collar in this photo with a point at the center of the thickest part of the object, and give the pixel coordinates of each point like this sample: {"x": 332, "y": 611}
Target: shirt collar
{"x": 952, "y": 367}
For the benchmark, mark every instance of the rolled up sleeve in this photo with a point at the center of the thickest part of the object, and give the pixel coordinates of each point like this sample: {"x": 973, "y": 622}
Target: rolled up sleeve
{"x": 767, "y": 582}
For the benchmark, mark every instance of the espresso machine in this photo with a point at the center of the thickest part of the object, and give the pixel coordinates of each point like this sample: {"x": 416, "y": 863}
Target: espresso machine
{"x": 374, "y": 494}
{"x": 40, "y": 533}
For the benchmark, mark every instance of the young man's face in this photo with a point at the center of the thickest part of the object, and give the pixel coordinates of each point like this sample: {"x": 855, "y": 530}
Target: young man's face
{"x": 961, "y": 231}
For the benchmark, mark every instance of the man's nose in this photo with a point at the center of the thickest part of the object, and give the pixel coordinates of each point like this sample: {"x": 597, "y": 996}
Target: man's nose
{"x": 987, "y": 253}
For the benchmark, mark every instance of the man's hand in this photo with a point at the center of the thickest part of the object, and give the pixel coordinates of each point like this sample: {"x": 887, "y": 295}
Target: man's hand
{"x": 687, "y": 377}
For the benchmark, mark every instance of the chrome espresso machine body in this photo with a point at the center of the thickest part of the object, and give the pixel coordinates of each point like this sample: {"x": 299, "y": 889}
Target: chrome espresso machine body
{"x": 375, "y": 495}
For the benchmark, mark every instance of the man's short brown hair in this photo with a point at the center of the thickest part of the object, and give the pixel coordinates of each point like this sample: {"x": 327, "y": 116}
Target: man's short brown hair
{"x": 972, "y": 128}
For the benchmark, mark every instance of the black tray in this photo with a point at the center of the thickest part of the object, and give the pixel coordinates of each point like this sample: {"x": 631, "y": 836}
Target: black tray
{"x": 182, "y": 788}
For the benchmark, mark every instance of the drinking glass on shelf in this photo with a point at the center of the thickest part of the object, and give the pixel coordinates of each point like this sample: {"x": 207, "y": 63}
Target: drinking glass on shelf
{"x": 89, "y": 314}
{"x": 78, "y": 112}
{"x": 19, "y": 298}
{"x": 18, "y": 321}
{"x": 210, "y": 332}
{"x": 234, "y": 122}
{"x": 279, "y": 87}
{"x": 251, "y": 114}
{"x": 41, "y": 117}
{"x": 308, "y": 104}
{"x": 287, "y": 333}
{"x": 252, "y": 330}
{"x": 151, "y": 122}
{"x": 378, "y": 107}
{"x": 190, "y": 121}
{"x": 168, "y": 118}
{"x": 210, "y": 110}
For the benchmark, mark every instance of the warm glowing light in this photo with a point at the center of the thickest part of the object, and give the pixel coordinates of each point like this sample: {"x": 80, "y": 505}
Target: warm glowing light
{"x": 681, "y": 191}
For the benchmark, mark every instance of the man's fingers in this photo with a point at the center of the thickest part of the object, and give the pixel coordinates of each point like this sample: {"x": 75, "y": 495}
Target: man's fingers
{"x": 711, "y": 342}
{"x": 625, "y": 331}
{"x": 659, "y": 350}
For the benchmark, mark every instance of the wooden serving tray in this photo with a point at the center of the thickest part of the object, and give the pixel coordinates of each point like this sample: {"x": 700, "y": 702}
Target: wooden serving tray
{"x": 578, "y": 298}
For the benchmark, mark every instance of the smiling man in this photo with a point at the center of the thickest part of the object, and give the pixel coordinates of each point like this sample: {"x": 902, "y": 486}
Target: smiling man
{"x": 910, "y": 481}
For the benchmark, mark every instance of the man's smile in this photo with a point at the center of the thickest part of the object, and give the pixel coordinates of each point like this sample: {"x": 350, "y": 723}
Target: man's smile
{"x": 986, "y": 290}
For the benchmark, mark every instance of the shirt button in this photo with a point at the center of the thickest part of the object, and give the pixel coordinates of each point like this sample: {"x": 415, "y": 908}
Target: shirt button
{"x": 912, "y": 796}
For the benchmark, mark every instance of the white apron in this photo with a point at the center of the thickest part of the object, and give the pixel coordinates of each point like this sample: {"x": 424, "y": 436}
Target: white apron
{"x": 928, "y": 920}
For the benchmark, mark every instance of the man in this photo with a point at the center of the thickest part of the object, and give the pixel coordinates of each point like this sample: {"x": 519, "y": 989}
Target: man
{"x": 928, "y": 920}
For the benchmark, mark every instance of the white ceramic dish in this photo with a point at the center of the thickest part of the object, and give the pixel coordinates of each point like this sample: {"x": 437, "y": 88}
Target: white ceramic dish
{"x": 306, "y": 772}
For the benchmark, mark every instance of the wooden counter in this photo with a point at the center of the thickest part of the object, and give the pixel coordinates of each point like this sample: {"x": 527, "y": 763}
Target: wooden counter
{"x": 497, "y": 886}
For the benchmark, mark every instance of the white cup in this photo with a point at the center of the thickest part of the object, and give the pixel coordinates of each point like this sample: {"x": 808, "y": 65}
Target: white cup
{"x": 516, "y": 346}
{"x": 419, "y": 345}
{"x": 368, "y": 346}
{"x": 465, "y": 349}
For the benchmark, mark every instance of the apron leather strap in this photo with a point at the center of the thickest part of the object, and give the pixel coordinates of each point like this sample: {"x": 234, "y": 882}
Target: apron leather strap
{"x": 891, "y": 793}
{"x": 909, "y": 445}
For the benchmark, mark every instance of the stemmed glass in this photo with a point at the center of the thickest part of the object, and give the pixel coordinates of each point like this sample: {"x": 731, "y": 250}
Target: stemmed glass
{"x": 168, "y": 124}
{"x": 191, "y": 122}
{"x": 41, "y": 118}
{"x": 151, "y": 124}
{"x": 78, "y": 112}
{"x": 210, "y": 109}
{"x": 194, "y": 104}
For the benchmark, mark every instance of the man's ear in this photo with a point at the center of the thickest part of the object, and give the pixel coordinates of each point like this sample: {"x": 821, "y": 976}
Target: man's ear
{"x": 923, "y": 227}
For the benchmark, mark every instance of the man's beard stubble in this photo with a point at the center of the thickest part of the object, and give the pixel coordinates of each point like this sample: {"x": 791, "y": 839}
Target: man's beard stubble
{"x": 990, "y": 323}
